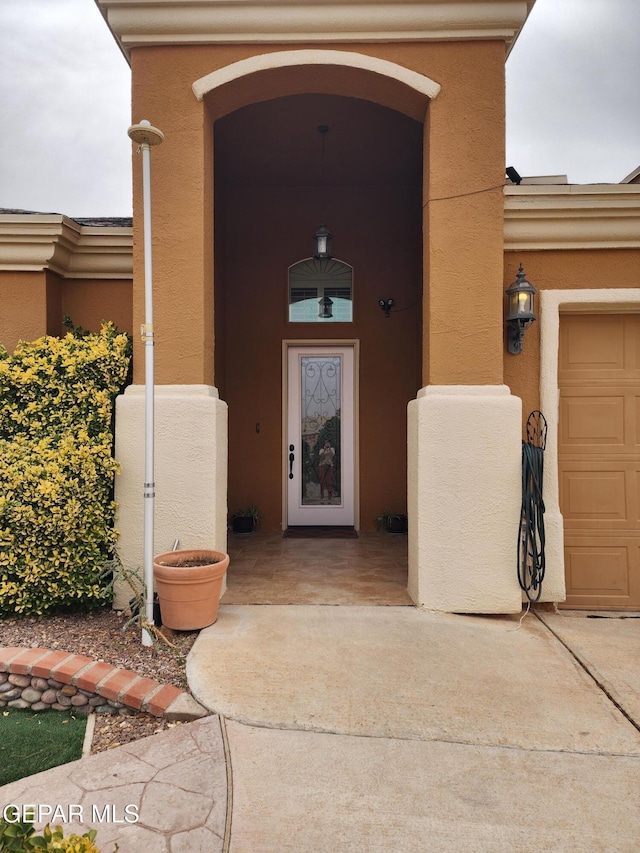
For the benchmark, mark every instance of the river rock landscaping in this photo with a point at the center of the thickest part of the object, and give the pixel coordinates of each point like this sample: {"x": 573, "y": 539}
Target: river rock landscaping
{"x": 103, "y": 635}
{"x": 43, "y": 694}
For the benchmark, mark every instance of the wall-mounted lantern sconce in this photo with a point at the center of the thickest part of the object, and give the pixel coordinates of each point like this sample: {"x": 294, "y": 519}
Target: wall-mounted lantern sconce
{"x": 324, "y": 305}
{"x": 521, "y": 312}
{"x": 386, "y": 305}
{"x": 322, "y": 239}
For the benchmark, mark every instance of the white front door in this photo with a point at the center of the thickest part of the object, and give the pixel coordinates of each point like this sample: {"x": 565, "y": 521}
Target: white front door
{"x": 320, "y": 435}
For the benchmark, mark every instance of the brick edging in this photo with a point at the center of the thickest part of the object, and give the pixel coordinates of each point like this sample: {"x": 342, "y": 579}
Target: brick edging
{"x": 90, "y": 676}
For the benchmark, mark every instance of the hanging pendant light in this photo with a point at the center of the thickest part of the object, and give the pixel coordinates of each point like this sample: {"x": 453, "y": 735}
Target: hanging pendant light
{"x": 322, "y": 239}
{"x": 325, "y": 311}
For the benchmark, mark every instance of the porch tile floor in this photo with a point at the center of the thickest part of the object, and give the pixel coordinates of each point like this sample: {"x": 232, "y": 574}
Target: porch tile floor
{"x": 267, "y": 569}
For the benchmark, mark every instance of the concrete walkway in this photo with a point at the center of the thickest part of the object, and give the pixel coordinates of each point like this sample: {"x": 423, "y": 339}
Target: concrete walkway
{"x": 383, "y": 729}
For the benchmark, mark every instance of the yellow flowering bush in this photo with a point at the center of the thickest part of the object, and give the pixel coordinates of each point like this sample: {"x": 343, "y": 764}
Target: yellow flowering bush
{"x": 19, "y": 836}
{"x": 56, "y": 476}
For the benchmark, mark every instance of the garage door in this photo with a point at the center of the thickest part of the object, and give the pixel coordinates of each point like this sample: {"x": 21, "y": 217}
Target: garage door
{"x": 599, "y": 459}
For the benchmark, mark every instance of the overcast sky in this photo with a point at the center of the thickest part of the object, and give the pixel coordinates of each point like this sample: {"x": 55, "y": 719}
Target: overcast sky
{"x": 573, "y": 101}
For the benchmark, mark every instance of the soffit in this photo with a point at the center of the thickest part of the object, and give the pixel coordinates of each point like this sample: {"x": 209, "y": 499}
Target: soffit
{"x": 34, "y": 242}
{"x": 572, "y": 216}
{"x": 137, "y": 23}
{"x": 275, "y": 144}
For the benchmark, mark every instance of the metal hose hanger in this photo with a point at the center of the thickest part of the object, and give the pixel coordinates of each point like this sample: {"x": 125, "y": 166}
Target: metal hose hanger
{"x": 531, "y": 559}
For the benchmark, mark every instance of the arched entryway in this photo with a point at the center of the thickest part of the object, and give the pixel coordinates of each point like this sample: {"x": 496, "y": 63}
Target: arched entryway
{"x": 262, "y": 229}
{"x": 273, "y": 188}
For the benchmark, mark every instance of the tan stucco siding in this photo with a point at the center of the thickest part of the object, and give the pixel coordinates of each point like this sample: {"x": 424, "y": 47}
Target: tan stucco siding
{"x": 560, "y": 270}
{"x": 463, "y": 246}
{"x": 34, "y": 303}
{"x": 89, "y": 303}
{"x": 464, "y": 239}
{"x": 182, "y": 218}
{"x": 24, "y": 307}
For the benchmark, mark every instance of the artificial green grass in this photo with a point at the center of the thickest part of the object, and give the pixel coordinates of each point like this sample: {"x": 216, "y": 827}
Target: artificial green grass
{"x": 34, "y": 741}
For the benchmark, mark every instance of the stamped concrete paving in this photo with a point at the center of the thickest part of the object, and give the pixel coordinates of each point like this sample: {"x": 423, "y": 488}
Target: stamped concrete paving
{"x": 402, "y": 673}
{"x": 175, "y": 779}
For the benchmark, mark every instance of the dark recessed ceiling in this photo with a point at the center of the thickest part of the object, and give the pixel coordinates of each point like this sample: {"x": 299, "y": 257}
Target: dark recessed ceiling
{"x": 277, "y": 143}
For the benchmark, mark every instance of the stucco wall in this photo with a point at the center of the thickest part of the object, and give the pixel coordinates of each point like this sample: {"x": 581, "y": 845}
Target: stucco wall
{"x": 263, "y": 228}
{"x": 560, "y": 270}
{"x": 464, "y": 152}
{"x": 463, "y": 245}
{"x": 462, "y": 219}
{"x": 24, "y": 307}
{"x": 464, "y": 499}
{"x": 88, "y": 303}
{"x": 190, "y": 473}
{"x": 34, "y": 303}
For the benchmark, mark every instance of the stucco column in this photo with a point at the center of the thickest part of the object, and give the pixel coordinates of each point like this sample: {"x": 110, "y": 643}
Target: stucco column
{"x": 464, "y": 427}
{"x": 463, "y": 229}
{"x": 190, "y": 475}
{"x": 182, "y": 212}
{"x": 464, "y": 498}
{"x": 190, "y": 420}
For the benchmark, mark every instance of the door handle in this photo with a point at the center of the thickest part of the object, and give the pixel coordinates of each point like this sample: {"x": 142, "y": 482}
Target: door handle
{"x": 291, "y": 458}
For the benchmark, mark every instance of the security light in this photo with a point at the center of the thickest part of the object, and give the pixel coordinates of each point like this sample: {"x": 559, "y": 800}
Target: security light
{"x": 513, "y": 175}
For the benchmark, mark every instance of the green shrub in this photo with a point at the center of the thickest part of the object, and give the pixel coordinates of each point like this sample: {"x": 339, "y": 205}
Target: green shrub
{"x": 56, "y": 477}
{"x": 18, "y": 836}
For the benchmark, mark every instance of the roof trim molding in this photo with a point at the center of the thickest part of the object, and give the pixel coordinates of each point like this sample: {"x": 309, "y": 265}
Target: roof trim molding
{"x": 572, "y": 216}
{"x": 35, "y": 242}
{"x": 171, "y": 22}
{"x": 632, "y": 177}
{"x": 290, "y": 58}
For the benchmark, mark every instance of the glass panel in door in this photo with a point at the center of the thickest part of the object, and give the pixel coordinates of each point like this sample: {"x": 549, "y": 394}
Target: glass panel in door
{"x": 320, "y": 419}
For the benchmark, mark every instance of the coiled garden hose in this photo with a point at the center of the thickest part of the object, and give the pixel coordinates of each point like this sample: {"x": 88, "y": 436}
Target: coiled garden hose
{"x": 531, "y": 540}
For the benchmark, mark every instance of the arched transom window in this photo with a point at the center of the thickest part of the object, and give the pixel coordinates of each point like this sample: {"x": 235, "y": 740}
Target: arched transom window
{"x": 320, "y": 291}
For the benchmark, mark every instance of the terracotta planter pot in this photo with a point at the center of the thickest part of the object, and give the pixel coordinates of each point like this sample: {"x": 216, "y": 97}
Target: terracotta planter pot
{"x": 189, "y": 595}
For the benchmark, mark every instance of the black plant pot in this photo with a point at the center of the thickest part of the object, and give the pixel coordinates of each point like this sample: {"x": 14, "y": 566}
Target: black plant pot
{"x": 242, "y": 524}
{"x": 157, "y": 616}
{"x": 397, "y": 525}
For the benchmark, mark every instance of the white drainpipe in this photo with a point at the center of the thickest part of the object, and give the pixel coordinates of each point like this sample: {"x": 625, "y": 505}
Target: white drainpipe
{"x": 146, "y": 136}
